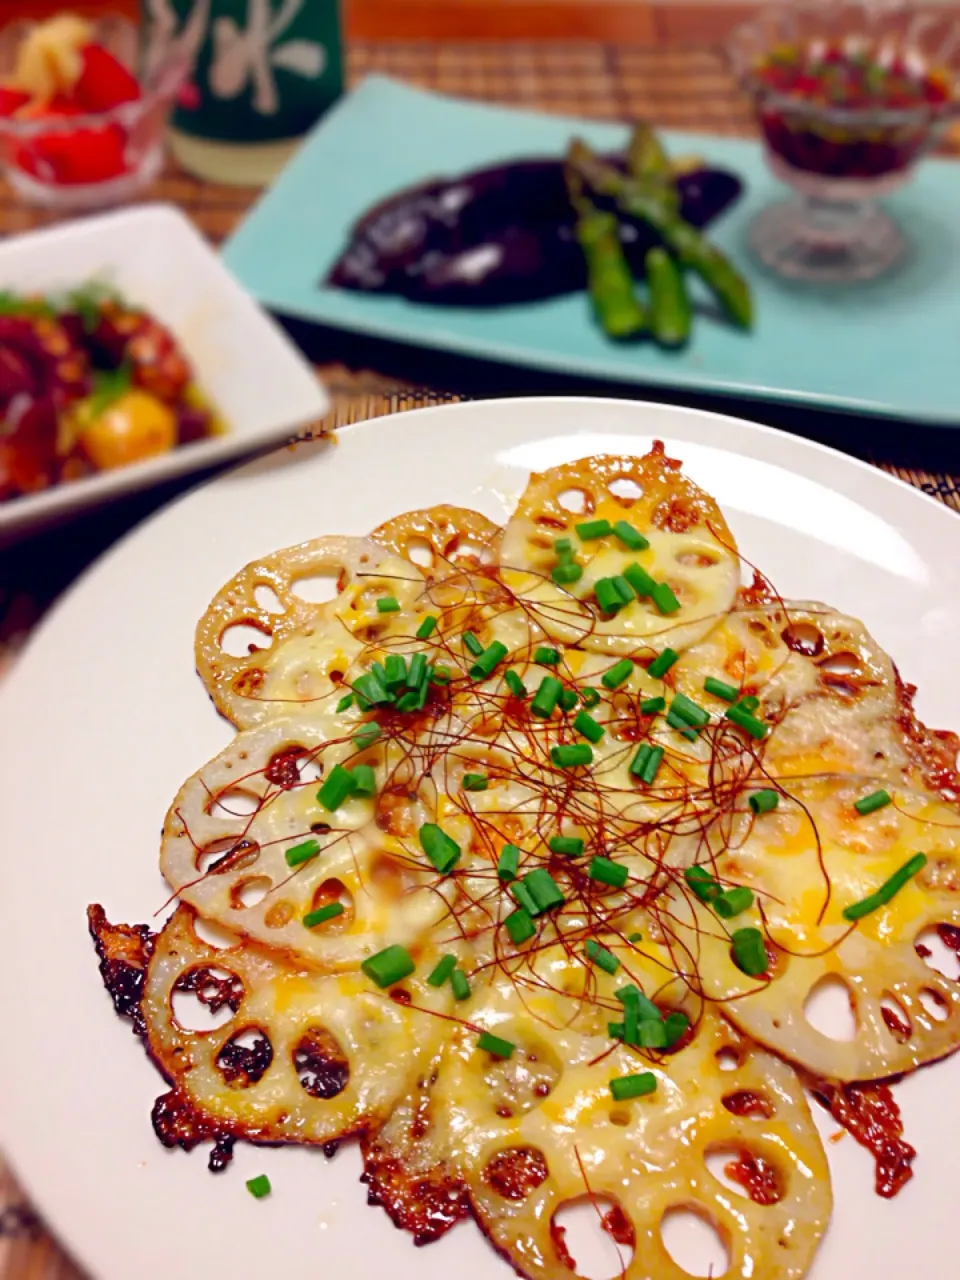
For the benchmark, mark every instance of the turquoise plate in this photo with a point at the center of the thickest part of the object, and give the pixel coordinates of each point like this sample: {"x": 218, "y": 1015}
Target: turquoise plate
{"x": 888, "y": 347}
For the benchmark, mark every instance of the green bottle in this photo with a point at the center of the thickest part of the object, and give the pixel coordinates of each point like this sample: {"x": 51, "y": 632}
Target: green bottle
{"x": 264, "y": 72}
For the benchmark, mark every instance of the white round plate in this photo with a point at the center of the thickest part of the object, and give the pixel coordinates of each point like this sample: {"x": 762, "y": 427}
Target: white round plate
{"x": 104, "y": 718}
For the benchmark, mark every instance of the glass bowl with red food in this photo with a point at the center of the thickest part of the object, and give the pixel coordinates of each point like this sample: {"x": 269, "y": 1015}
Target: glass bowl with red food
{"x": 849, "y": 97}
{"x": 79, "y": 128}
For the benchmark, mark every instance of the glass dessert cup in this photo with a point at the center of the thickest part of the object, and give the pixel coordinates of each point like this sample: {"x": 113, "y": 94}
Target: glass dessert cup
{"x": 849, "y": 97}
{"x": 96, "y": 159}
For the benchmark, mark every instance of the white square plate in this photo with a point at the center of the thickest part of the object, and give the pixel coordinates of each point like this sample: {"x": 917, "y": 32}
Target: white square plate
{"x": 263, "y": 388}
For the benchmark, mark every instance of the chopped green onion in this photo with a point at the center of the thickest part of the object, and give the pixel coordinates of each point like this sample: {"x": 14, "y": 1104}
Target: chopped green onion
{"x": 301, "y": 853}
{"x": 616, "y": 1030}
{"x": 750, "y": 952}
{"x": 732, "y": 902}
{"x": 414, "y": 699}
{"x": 345, "y": 702}
{"x": 624, "y": 1088}
{"x": 563, "y": 546}
{"x": 616, "y": 675}
{"x": 443, "y": 970}
{"x": 662, "y": 663}
{"x": 601, "y": 957}
{"x": 568, "y": 700}
{"x": 546, "y": 697}
{"x": 564, "y": 574}
{"x": 635, "y": 937}
{"x": 488, "y": 660}
{"x": 640, "y": 759}
{"x": 442, "y": 851}
{"x": 607, "y": 872}
{"x": 630, "y": 537}
{"x": 371, "y": 688}
{"x": 764, "y": 801}
{"x": 608, "y": 597}
{"x": 889, "y": 889}
{"x": 508, "y": 862}
{"x": 259, "y": 1187}
{"x": 652, "y": 765}
{"x": 720, "y": 689}
{"x": 623, "y": 589}
{"x": 871, "y": 803}
{"x": 631, "y": 996}
{"x": 591, "y": 529}
{"x": 639, "y": 579}
{"x": 417, "y": 672}
{"x": 440, "y": 675}
{"x": 688, "y": 710}
{"x": 523, "y": 897}
{"x": 475, "y": 782}
{"x": 585, "y": 724}
{"x": 366, "y": 735}
{"x": 427, "y": 627}
{"x": 702, "y": 883}
{"x": 336, "y": 788}
{"x": 572, "y": 756}
{"x": 493, "y": 1044}
{"x": 515, "y": 684}
{"x": 396, "y": 669}
{"x": 683, "y": 727}
{"x": 746, "y": 720}
{"x": 650, "y": 706}
{"x": 364, "y": 780}
{"x": 652, "y": 1035}
{"x": 748, "y": 703}
{"x": 544, "y": 890}
{"x": 388, "y": 604}
{"x": 569, "y": 846}
{"x": 590, "y": 697}
{"x": 519, "y": 924}
{"x": 323, "y": 914}
{"x": 676, "y": 1025}
{"x": 460, "y": 985}
{"x": 663, "y": 597}
{"x": 473, "y": 643}
{"x": 547, "y": 657}
{"x": 389, "y": 966}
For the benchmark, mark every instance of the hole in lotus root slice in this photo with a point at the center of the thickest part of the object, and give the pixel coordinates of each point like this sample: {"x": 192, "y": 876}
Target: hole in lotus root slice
{"x": 250, "y": 892}
{"x": 234, "y": 803}
{"x": 691, "y": 548}
{"x": 226, "y": 855}
{"x": 829, "y": 1009}
{"x": 245, "y": 1058}
{"x": 590, "y": 1159}
{"x": 248, "y": 687}
{"x": 577, "y": 501}
{"x": 339, "y": 1058}
{"x": 940, "y": 945}
{"x": 694, "y": 1242}
{"x": 440, "y": 538}
{"x": 206, "y": 998}
{"x": 523, "y": 1081}
{"x": 321, "y": 1065}
{"x": 749, "y": 1171}
{"x": 515, "y": 1171}
{"x": 593, "y": 1238}
{"x": 896, "y": 1018}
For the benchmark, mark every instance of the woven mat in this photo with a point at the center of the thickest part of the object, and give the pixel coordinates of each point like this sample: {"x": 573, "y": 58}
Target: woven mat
{"x": 689, "y": 89}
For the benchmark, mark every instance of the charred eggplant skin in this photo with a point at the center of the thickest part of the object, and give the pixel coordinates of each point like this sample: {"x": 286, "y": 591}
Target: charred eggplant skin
{"x": 499, "y": 236}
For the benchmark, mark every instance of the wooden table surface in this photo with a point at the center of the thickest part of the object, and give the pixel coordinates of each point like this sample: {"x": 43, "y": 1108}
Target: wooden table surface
{"x": 685, "y": 87}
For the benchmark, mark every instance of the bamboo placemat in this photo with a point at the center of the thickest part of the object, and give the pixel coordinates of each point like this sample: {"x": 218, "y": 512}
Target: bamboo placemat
{"x": 688, "y": 88}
